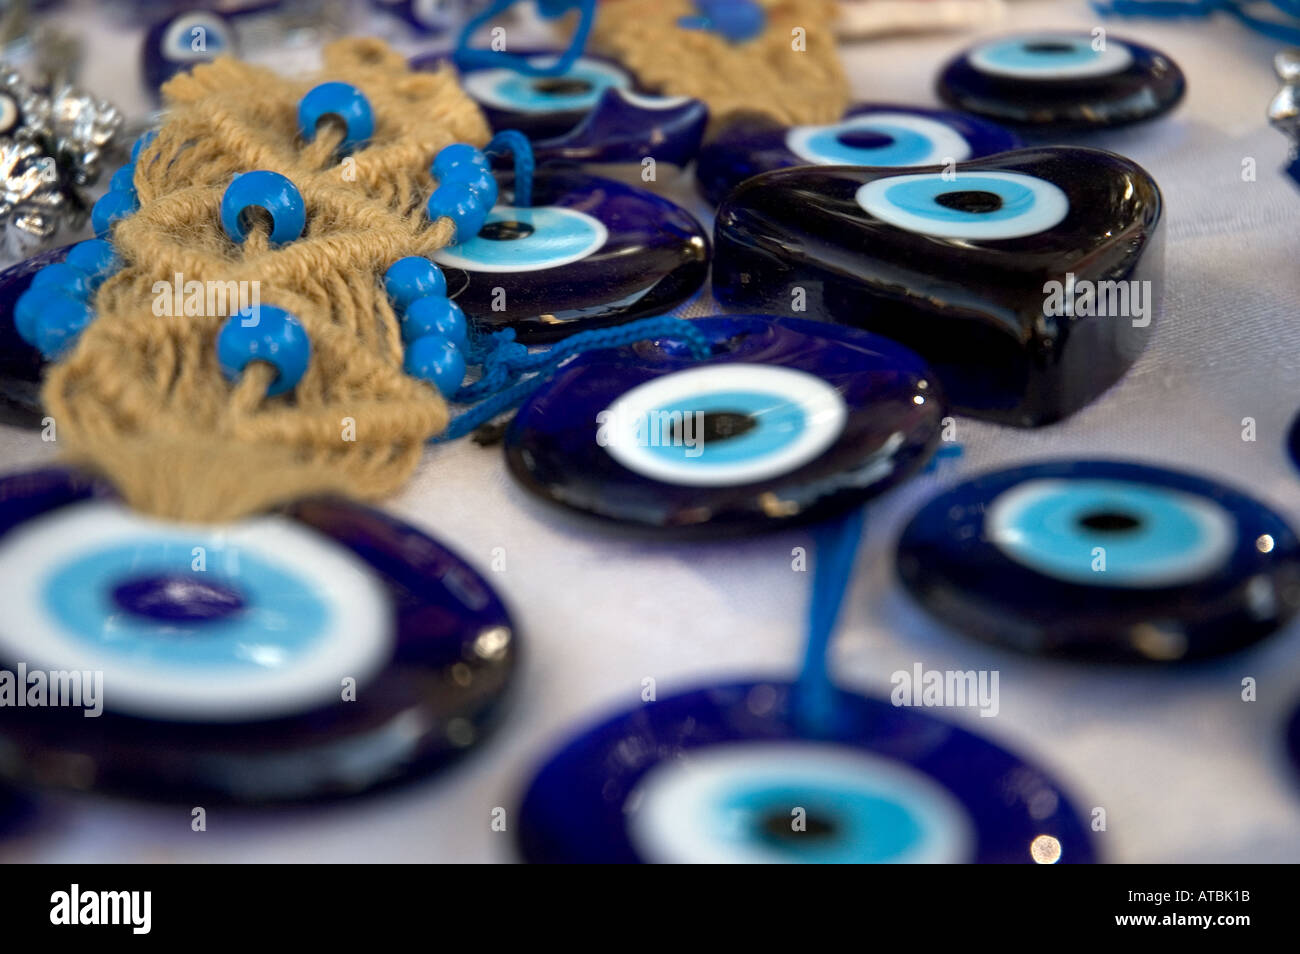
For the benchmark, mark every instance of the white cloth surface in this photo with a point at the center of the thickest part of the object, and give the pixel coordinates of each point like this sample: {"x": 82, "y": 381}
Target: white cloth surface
{"x": 1185, "y": 770}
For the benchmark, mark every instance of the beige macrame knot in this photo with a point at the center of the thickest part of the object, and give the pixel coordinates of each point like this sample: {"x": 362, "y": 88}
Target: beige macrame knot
{"x": 141, "y": 397}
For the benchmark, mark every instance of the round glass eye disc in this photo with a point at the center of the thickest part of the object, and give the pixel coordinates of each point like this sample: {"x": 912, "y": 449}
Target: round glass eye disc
{"x": 527, "y": 240}
{"x": 785, "y": 418}
{"x": 741, "y": 804}
{"x": 181, "y": 40}
{"x": 899, "y": 140}
{"x": 1050, "y": 56}
{"x": 287, "y": 614}
{"x": 960, "y": 206}
{"x": 579, "y": 88}
{"x": 1149, "y": 536}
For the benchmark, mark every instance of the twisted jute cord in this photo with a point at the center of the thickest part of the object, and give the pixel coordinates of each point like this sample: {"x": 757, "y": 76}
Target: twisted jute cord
{"x": 141, "y": 398}
{"x": 765, "y": 75}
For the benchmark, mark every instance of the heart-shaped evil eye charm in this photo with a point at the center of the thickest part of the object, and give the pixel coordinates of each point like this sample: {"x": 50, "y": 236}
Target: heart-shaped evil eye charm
{"x": 1062, "y": 80}
{"x": 588, "y": 253}
{"x": 1030, "y": 280}
{"x": 184, "y": 41}
{"x": 1103, "y": 560}
{"x": 869, "y": 135}
{"x": 625, "y": 126}
{"x": 790, "y": 420}
{"x": 722, "y": 774}
{"x": 302, "y": 655}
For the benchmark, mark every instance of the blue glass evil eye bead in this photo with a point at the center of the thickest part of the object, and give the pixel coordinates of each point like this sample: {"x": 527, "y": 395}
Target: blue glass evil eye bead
{"x": 466, "y": 208}
{"x": 435, "y": 315}
{"x": 271, "y": 192}
{"x": 111, "y": 207}
{"x": 64, "y": 278}
{"x": 184, "y": 41}
{"x": 265, "y": 333}
{"x": 60, "y": 320}
{"x": 721, "y": 770}
{"x": 1062, "y": 80}
{"x": 790, "y": 421}
{"x": 341, "y": 102}
{"x": 871, "y": 134}
{"x": 96, "y": 259}
{"x": 1103, "y": 560}
{"x": 209, "y": 694}
{"x": 1030, "y": 280}
{"x": 413, "y": 277}
{"x": 437, "y": 360}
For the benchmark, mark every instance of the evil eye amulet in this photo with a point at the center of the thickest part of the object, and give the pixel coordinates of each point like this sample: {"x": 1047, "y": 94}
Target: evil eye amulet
{"x": 871, "y": 134}
{"x": 790, "y": 421}
{"x": 318, "y": 652}
{"x": 718, "y": 775}
{"x": 1103, "y": 560}
{"x": 184, "y": 41}
{"x": 1062, "y": 81}
{"x": 1030, "y": 280}
{"x": 588, "y": 253}
{"x": 272, "y": 193}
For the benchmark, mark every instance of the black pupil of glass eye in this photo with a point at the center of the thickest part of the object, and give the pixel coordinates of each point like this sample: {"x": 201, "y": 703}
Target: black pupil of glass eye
{"x": 779, "y": 825}
{"x": 1055, "y": 49}
{"x": 505, "y": 231}
{"x": 722, "y": 425}
{"x": 559, "y": 86}
{"x": 1110, "y": 521}
{"x": 177, "y": 598}
{"x": 864, "y": 139}
{"x": 970, "y": 200}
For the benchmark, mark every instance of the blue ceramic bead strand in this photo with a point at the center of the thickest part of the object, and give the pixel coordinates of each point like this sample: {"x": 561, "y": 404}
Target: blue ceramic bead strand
{"x": 51, "y": 314}
{"x": 466, "y": 189}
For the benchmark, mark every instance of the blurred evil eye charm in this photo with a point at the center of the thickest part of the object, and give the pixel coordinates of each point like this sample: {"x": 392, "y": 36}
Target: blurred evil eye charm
{"x": 1103, "y": 560}
{"x": 724, "y": 775}
{"x": 589, "y": 252}
{"x": 1062, "y": 81}
{"x": 317, "y": 652}
{"x": 1029, "y": 280}
{"x": 182, "y": 42}
{"x": 432, "y": 17}
{"x": 871, "y": 134}
{"x": 789, "y": 421}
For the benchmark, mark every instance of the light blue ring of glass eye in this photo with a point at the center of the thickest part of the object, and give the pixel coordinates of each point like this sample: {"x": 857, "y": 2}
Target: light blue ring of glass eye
{"x": 1180, "y": 538}
{"x": 508, "y": 90}
{"x": 917, "y": 141}
{"x": 1012, "y": 57}
{"x": 177, "y": 44}
{"x": 779, "y": 423}
{"x": 1029, "y": 205}
{"x": 560, "y": 236}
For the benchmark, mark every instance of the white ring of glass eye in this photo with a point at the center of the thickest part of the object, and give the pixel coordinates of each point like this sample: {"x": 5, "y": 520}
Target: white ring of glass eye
{"x": 946, "y": 144}
{"x": 1114, "y": 58}
{"x": 669, "y": 813}
{"x": 181, "y": 28}
{"x": 1051, "y": 206}
{"x": 356, "y": 643}
{"x": 462, "y": 255}
{"x": 823, "y": 410}
{"x": 1217, "y": 527}
{"x": 482, "y": 85}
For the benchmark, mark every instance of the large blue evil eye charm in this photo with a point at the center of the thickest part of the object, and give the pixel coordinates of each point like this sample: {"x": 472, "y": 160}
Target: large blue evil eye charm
{"x": 589, "y": 252}
{"x": 183, "y": 42}
{"x": 320, "y": 651}
{"x": 871, "y": 134}
{"x": 789, "y": 421}
{"x": 1062, "y": 80}
{"x": 1029, "y": 280}
{"x": 625, "y": 126}
{"x": 1103, "y": 560}
{"x": 723, "y": 775}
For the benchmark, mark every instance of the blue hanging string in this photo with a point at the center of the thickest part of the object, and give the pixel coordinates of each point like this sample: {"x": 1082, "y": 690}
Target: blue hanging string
{"x": 1281, "y": 31}
{"x": 502, "y": 385}
{"x": 513, "y": 142}
{"x": 467, "y": 58}
{"x": 834, "y": 546}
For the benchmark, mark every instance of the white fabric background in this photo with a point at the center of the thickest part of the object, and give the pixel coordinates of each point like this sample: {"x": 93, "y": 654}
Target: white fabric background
{"x": 1185, "y": 770}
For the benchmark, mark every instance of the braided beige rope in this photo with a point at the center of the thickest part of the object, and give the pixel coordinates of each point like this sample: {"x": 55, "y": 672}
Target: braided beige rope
{"x": 141, "y": 397}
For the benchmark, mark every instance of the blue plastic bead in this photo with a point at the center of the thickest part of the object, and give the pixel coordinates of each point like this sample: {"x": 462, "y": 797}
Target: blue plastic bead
{"x": 458, "y": 155}
{"x": 63, "y": 277}
{"x": 435, "y": 315}
{"x": 480, "y": 180}
{"x": 111, "y": 207}
{"x": 413, "y": 277}
{"x": 96, "y": 258}
{"x": 462, "y": 205}
{"x": 276, "y": 337}
{"x": 266, "y": 190}
{"x": 143, "y": 143}
{"x": 435, "y": 359}
{"x": 27, "y": 311}
{"x": 737, "y": 20}
{"x": 60, "y": 320}
{"x": 124, "y": 179}
{"x": 342, "y": 101}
